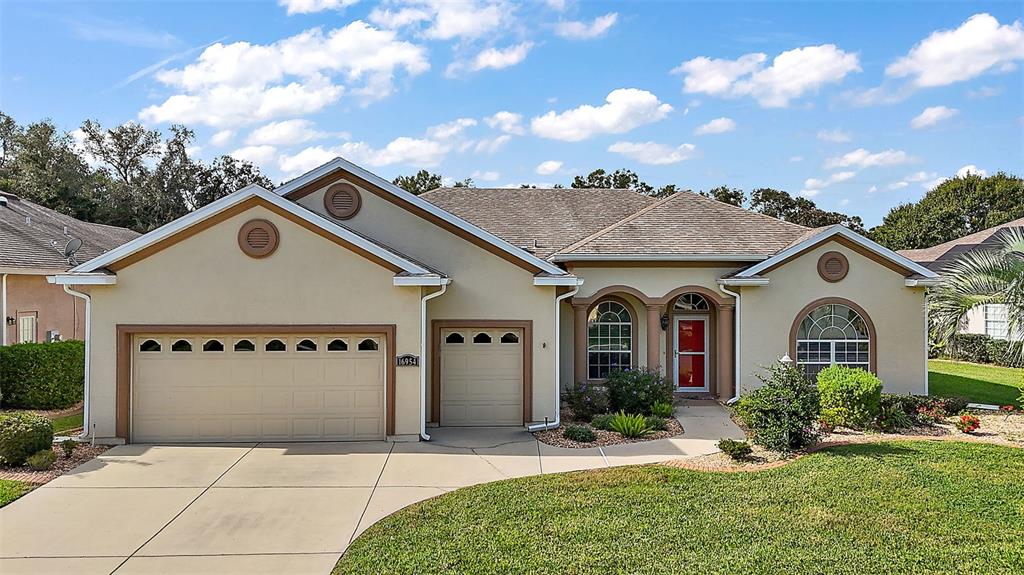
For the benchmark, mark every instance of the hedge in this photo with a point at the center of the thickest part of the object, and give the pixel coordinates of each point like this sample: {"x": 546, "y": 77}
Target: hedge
{"x": 981, "y": 348}
{"x": 42, "y": 375}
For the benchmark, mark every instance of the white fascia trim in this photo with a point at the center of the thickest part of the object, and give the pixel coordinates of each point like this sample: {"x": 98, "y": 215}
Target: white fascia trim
{"x": 15, "y": 271}
{"x": 929, "y": 282}
{"x": 421, "y": 281}
{"x": 570, "y": 281}
{"x": 659, "y": 257}
{"x": 229, "y": 200}
{"x": 341, "y": 163}
{"x": 743, "y": 281}
{"x": 848, "y": 234}
{"x": 83, "y": 279}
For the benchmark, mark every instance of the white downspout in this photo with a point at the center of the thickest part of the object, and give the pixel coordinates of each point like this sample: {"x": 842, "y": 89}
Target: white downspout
{"x": 3, "y": 318}
{"x": 86, "y": 422}
{"x": 423, "y": 355}
{"x": 558, "y": 365}
{"x": 926, "y": 326}
{"x": 736, "y": 329}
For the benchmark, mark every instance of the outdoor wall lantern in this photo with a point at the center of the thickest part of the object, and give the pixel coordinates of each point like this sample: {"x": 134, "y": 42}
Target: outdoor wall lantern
{"x": 10, "y": 320}
{"x": 664, "y": 321}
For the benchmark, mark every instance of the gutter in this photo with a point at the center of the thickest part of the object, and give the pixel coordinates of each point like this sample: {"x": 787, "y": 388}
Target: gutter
{"x": 572, "y": 257}
{"x": 736, "y": 333}
{"x": 86, "y": 422}
{"x": 423, "y": 354}
{"x": 558, "y": 365}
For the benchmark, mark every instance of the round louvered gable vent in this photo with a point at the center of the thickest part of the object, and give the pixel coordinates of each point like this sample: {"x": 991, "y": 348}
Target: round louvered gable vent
{"x": 833, "y": 266}
{"x": 342, "y": 201}
{"x": 258, "y": 238}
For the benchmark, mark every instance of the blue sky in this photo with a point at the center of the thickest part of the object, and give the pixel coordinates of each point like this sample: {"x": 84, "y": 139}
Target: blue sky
{"x": 859, "y": 106}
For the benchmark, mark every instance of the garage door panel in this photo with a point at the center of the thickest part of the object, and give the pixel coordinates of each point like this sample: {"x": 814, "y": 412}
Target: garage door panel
{"x": 260, "y": 395}
{"x": 481, "y": 383}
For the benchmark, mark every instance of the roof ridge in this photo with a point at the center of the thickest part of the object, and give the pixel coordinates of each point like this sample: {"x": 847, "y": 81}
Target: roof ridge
{"x": 747, "y": 210}
{"x": 616, "y": 225}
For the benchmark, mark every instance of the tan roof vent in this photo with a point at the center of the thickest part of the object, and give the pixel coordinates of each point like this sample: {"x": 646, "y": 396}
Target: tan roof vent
{"x": 342, "y": 201}
{"x": 833, "y": 266}
{"x": 258, "y": 238}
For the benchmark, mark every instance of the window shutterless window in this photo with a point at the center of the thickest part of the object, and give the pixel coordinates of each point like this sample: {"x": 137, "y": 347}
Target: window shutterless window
{"x": 609, "y": 339}
{"x": 832, "y": 334}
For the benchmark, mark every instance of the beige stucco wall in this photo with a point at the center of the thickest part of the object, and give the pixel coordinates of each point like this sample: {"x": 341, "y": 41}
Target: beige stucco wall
{"x": 55, "y": 309}
{"x": 206, "y": 279}
{"x": 897, "y": 312}
{"x": 484, "y": 285}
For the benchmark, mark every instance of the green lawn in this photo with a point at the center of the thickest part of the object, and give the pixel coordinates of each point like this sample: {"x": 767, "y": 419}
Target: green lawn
{"x": 898, "y": 507}
{"x": 11, "y": 490}
{"x": 67, "y": 422}
{"x": 980, "y": 383}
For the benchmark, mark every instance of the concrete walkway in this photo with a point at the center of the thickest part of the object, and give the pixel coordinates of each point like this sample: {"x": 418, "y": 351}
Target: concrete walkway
{"x": 279, "y": 508}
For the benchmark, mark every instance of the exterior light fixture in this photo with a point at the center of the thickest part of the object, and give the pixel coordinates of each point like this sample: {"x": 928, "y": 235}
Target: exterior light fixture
{"x": 664, "y": 321}
{"x": 786, "y": 360}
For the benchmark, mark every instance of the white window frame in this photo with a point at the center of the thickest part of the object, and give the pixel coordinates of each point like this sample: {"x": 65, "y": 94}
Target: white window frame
{"x": 996, "y": 321}
{"x": 28, "y": 325}
{"x": 833, "y": 343}
{"x": 592, "y": 350}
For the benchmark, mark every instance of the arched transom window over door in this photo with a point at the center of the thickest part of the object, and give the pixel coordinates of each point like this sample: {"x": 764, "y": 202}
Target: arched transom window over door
{"x": 833, "y": 334}
{"x": 609, "y": 339}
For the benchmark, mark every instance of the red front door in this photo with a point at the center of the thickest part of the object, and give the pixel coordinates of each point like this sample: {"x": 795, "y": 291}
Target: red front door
{"x": 691, "y": 354}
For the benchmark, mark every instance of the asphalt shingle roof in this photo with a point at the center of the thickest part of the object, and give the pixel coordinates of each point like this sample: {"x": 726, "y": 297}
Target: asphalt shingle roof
{"x": 937, "y": 257}
{"x": 32, "y": 236}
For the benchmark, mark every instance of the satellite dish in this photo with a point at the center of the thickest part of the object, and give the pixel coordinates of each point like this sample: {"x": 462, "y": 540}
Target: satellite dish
{"x": 74, "y": 244}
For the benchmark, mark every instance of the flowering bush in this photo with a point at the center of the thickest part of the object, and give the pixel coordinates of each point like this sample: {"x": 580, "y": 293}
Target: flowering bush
{"x": 968, "y": 423}
{"x": 637, "y": 390}
{"x": 1007, "y": 409}
{"x": 587, "y": 400}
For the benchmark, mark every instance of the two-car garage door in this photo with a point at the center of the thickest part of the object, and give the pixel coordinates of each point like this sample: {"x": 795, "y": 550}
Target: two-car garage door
{"x": 241, "y": 387}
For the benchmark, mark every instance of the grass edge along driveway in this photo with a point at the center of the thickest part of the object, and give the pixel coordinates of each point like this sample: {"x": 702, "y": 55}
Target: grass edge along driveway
{"x": 893, "y": 507}
{"x": 11, "y": 490}
{"x": 980, "y": 383}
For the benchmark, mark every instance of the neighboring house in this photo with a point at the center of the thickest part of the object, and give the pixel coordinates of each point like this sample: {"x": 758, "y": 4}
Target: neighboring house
{"x": 33, "y": 240}
{"x": 339, "y": 306}
{"x": 989, "y": 319}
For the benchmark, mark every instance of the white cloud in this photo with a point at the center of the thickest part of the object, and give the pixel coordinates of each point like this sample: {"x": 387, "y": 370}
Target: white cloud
{"x": 928, "y": 180}
{"x": 488, "y": 176}
{"x": 833, "y": 179}
{"x": 872, "y": 189}
{"x": 795, "y": 159}
{"x": 450, "y": 130}
{"x": 716, "y": 126}
{"x": 311, "y": 6}
{"x": 284, "y": 133}
{"x": 862, "y": 158}
{"x": 626, "y": 108}
{"x": 386, "y": 18}
{"x": 549, "y": 167}
{"x": 844, "y": 202}
{"x": 653, "y": 153}
{"x": 932, "y": 115}
{"x": 445, "y": 20}
{"x": 416, "y": 152}
{"x": 193, "y": 151}
{"x": 235, "y": 84}
{"x": 508, "y": 122}
{"x": 979, "y": 45}
{"x": 256, "y": 154}
{"x": 222, "y": 138}
{"x": 984, "y": 92}
{"x": 898, "y": 185}
{"x": 492, "y": 145}
{"x": 836, "y": 136}
{"x": 791, "y": 74}
{"x": 577, "y": 30}
{"x": 493, "y": 58}
{"x": 971, "y": 169}
{"x": 809, "y": 193}
{"x": 558, "y": 5}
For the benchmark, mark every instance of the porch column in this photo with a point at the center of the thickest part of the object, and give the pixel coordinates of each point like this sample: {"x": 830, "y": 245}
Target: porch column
{"x": 654, "y": 337}
{"x": 726, "y": 349}
{"x": 579, "y": 342}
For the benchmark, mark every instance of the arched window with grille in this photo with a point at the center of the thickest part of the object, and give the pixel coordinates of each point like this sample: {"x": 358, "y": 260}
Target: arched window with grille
{"x": 833, "y": 334}
{"x": 609, "y": 339}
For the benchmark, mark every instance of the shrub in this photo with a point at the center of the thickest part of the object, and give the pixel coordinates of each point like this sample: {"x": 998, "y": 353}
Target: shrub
{"x": 42, "y": 375}
{"x": 972, "y": 347}
{"x": 662, "y": 409}
{"x": 893, "y": 418}
{"x": 629, "y": 425}
{"x": 602, "y": 421}
{"x": 657, "y": 423}
{"x": 968, "y": 423}
{"x": 580, "y": 433}
{"x": 41, "y": 460}
{"x": 635, "y": 391}
{"x": 68, "y": 445}
{"x": 781, "y": 414}
{"x": 21, "y": 435}
{"x": 735, "y": 449}
{"x": 849, "y": 397}
{"x": 954, "y": 405}
{"x": 587, "y": 400}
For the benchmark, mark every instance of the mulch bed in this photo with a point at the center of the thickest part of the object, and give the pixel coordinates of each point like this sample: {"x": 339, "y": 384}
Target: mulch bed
{"x": 604, "y": 438}
{"x": 84, "y": 452}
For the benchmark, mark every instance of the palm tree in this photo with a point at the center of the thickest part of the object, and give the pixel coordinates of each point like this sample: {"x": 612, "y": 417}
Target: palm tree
{"x": 978, "y": 278}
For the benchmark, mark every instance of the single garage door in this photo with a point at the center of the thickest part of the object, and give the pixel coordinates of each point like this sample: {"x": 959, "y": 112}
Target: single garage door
{"x": 481, "y": 377}
{"x": 242, "y": 387}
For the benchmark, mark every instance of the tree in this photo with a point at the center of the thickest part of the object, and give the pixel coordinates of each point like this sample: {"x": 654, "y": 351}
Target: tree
{"x": 955, "y": 208}
{"x": 467, "y": 183}
{"x": 422, "y": 181}
{"x": 780, "y": 204}
{"x": 126, "y": 148}
{"x": 617, "y": 180}
{"x": 977, "y": 278}
{"x": 223, "y": 176}
{"x": 725, "y": 194}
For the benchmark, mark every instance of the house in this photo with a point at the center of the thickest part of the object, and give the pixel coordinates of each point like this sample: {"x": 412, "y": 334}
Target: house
{"x": 989, "y": 319}
{"x": 339, "y": 306}
{"x": 33, "y": 243}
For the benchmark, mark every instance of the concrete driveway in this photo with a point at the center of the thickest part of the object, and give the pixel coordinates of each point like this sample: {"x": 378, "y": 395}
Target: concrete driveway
{"x": 277, "y": 508}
